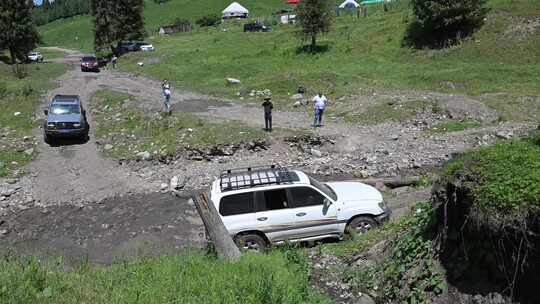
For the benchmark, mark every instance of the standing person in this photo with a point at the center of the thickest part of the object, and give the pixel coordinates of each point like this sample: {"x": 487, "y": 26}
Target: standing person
{"x": 268, "y": 106}
{"x": 319, "y": 104}
{"x": 166, "y": 90}
{"x": 114, "y": 60}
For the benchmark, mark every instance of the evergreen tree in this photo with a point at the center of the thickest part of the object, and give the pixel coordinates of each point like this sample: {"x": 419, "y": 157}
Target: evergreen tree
{"x": 116, "y": 20}
{"x": 18, "y": 33}
{"x": 314, "y": 17}
{"x": 129, "y": 20}
{"x": 442, "y": 22}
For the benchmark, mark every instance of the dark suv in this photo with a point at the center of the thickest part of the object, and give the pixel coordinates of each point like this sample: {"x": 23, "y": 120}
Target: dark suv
{"x": 89, "y": 63}
{"x": 65, "y": 117}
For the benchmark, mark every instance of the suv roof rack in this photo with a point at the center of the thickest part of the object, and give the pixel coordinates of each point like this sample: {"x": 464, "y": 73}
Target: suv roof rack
{"x": 242, "y": 178}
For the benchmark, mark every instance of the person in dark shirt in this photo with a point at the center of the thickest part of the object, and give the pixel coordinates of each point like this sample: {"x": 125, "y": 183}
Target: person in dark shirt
{"x": 268, "y": 106}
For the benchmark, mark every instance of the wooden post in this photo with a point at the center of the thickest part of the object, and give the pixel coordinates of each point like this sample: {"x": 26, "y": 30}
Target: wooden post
{"x": 225, "y": 247}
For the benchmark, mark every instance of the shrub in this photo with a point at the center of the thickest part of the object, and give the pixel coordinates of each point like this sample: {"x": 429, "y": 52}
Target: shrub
{"x": 209, "y": 20}
{"x": 440, "y": 23}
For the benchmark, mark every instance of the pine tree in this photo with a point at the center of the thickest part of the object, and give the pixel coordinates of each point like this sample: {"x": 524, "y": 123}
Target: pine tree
{"x": 314, "y": 17}
{"x": 129, "y": 20}
{"x": 442, "y": 22}
{"x": 18, "y": 33}
{"x": 103, "y": 27}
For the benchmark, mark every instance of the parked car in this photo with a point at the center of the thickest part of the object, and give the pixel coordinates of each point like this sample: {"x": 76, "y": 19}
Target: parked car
{"x": 272, "y": 205}
{"x": 35, "y": 57}
{"x": 256, "y": 27}
{"x": 65, "y": 117}
{"x": 123, "y": 47}
{"x": 89, "y": 63}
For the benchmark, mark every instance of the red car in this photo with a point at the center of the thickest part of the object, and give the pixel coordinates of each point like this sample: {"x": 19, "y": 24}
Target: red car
{"x": 89, "y": 63}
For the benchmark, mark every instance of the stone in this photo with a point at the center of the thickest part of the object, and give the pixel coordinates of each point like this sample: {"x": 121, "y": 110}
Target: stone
{"x": 29, "y": 151}
{"x": 164, "y": 186}
{"x": 108, "y": 147}
{"x": 140, "y": 63}
{"x": 16, "y": 113}
{"x": 232, "y": 81}
{"x": 4, "y": 232}
{"x": 380, "y": 186}
{"x": 145, "y": 155}
{"x": 297, "y": 103}
{"x": 174, "y": 183}
{"x": 394, "y": 136}
{"x": 315, "y": 152}
{"x": 297, "y": 97}
{"x": 505, "y": 135}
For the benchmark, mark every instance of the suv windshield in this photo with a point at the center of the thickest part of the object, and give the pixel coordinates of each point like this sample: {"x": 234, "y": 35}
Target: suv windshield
{"x": 59, "y": 109}
{"x": 89, "y": 59}
{"x": 323, "y": 187}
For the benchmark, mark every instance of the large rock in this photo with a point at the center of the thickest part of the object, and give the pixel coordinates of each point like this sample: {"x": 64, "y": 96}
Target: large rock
{"x": 232, "y": 81}
{"x": 297, "y": 96}
{"x": 144, "y": 155}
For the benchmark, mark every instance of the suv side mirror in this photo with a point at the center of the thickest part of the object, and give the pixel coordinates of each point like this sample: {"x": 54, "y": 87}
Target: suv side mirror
{"x": 46, "y": 112}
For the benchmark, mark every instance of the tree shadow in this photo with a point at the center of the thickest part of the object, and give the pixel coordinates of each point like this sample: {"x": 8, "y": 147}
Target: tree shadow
{"x": 309, "y": 49}
{"x": 420, "y": 36}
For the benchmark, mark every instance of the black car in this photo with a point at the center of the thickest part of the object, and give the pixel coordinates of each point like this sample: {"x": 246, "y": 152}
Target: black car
{"x": 123, "y": 47}
{"x": 256, "y": 27}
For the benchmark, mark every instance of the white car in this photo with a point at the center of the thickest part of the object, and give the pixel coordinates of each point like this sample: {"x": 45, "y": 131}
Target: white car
{"x": 271, "y": 205}
{"x": 147, "y": 48}
{"x": 35, "y": 57}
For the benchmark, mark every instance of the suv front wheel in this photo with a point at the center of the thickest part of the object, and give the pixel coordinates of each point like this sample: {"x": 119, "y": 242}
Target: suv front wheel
{"x": 251, "y": 242}
{"x": 361, "y": 225}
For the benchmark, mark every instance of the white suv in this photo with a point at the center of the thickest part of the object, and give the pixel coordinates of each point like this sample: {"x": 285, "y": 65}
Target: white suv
{"x": 35, "y": 57}
{"x": 270, "y": 205}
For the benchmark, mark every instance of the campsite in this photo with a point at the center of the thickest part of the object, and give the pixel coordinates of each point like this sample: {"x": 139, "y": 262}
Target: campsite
{"x": 278, "y": 151}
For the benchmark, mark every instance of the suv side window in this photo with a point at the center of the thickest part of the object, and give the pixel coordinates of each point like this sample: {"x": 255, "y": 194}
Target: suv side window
{"x": 236, "y": 204}
{"x": 305, "y": 196}
{"x": 272, "y": 200}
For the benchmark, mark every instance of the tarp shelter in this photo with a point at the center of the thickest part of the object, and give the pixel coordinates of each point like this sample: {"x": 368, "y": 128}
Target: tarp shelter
{"x": 235, "y": 10}
{"x": 292, "y": 1}
{"x": 349, "y": 4}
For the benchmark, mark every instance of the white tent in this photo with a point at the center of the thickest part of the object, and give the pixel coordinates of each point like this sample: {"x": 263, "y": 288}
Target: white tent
{"x": 349, "y": 4}
{"x": 235, "y": 10}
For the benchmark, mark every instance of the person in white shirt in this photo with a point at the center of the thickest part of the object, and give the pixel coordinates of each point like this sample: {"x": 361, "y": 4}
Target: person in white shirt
{"x": 166, "y": 90}
{"x": 319, "y": 103}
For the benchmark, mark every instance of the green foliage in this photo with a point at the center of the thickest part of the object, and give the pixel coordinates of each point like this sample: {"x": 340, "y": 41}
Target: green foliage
{"x": 59, "y": 9}
{"x": 18, "y": 33}
{"x": 385, "y": 112}
{"x": 187, "y": 278}
{"x": 443, "y": 22}
{"x": 117, "y": 20}
{"x": 208, "y": 20}
{"x": 409, "y": 272}
{"x": 314, "y": 17}
{"x": 504, "y": 178}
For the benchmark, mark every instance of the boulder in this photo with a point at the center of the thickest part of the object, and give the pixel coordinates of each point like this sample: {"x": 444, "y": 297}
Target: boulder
{"x": 297, "y": 96}
{"x": 232, "y": 81}
{"x": 315, "y": 152}
{"x": 144, "y": 155}
{"x": 108, "y": 147}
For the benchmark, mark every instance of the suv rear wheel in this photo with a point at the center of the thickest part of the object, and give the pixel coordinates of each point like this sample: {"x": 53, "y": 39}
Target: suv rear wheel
{"x": 361, "y": 225}
{"x": 251, "y": 242}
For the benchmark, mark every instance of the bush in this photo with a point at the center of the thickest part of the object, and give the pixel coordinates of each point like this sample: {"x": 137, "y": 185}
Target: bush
{"x": 209, "y": 20}
{"x": 440, "y": 23}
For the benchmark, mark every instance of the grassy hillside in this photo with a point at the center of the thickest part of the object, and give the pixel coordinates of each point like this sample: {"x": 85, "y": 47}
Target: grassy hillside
{"x": 65, "y": 32}
{"x": 359, "y": 54}
{"x": 362, "y": 53}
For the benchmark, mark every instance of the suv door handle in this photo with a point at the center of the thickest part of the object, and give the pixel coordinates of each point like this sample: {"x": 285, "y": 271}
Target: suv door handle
{"x": 301, "y": 214}
{"x": 262, "y": 219}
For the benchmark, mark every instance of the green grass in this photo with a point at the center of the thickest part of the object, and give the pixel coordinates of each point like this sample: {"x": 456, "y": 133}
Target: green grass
{"x": 24, "y": 96}
{"x": 504, "y": 178}
{"x": 50, "y": 54}
{"x": 135, "y": 130}
{"x": 453, "y": 126}
{"x": 72, "y": 33}
{"x": 188, "y": 278}
{"x": 362, "y": 53}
